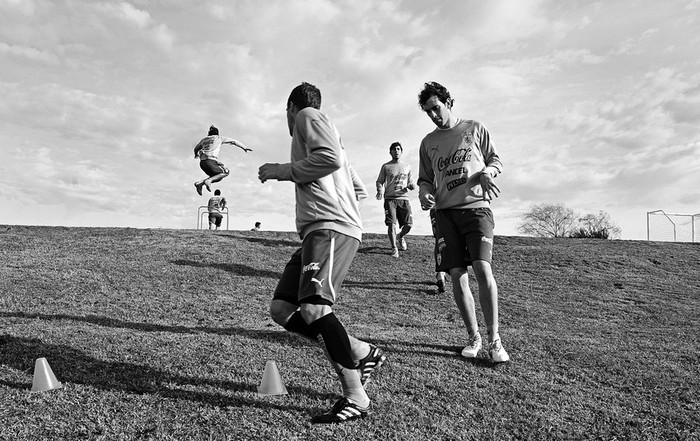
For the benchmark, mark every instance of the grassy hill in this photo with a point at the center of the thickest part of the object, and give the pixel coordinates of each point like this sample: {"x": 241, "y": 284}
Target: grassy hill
{"x": 164, "y": 334}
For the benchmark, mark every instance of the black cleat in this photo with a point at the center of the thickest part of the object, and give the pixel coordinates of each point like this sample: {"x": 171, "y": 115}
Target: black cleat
{"x": 370, "y": 363}
{"x": 343, "y": 410}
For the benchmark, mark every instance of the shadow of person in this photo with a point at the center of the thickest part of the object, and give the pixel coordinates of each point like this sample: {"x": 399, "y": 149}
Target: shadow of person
{"x": 73, "y": 366}
{"x": 235, "y": 268}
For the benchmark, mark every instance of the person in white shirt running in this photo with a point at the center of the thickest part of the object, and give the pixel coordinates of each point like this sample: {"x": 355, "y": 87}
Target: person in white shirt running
{"x": 393, "y": 184}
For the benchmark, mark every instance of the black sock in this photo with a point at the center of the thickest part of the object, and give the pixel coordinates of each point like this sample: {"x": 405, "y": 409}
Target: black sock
{"x": 297, "y": 325}
{"x": 335, "y": 337}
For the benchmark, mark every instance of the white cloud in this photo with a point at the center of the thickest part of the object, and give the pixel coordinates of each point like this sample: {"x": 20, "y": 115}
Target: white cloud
{"x": 24, "y": 7}
{"x": 128, "y": 12}
{"x": 29, "y": 53}
{"x": 163, "y": 36}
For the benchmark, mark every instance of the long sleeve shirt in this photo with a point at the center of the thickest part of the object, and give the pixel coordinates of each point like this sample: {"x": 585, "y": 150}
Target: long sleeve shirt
{"x": 451, "y": 161}
{"x": 396, "y": 178}
{"x": 327, "y": 188}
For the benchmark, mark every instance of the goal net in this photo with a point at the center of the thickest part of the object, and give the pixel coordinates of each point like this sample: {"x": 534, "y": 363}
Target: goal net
{"x": 669, "y": 227}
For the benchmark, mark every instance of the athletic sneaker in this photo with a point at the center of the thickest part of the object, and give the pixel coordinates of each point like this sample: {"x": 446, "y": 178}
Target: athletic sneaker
{"x": 471, "y": 350}
{"x": 497, "y": 353}
{"x": 440, "y": 285}
{"x": 402, "y": 243}
{"x": 343, "y": 410}
{"x": 395, "y": 253}
{"x": 198, "y": 186}
{"x": 370, "y": 363}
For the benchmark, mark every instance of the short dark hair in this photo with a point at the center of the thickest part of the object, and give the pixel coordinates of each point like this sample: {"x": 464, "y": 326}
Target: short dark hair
{"x": 434, "y": 89}
{"x": 217, "y": 192}
{"x": 213, "y": 130}
{"x": 305, "y": 95}
{"x": 396, "y": 144}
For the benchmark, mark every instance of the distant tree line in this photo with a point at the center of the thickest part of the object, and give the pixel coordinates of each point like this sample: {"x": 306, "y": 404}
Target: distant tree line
{"x": 557, "y": 220}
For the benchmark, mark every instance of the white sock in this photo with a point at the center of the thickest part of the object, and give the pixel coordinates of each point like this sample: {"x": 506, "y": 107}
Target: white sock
{"x": 352, "y": 387}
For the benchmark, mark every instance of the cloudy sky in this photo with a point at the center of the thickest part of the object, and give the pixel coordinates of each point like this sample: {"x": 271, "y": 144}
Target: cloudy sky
{"x": 595, "y": 105}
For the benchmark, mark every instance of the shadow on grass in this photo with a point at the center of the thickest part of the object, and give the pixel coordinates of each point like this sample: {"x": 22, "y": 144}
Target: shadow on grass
{"x": 266, "y": 335}
{"x": 267, "y": 241}
{"x": 430, "y": 350}
{"x": 235, "y": 268}
{"x": 279, "y": 336}
{"x": 73, "y": 366}
{"x": 389, "y": 285}
{"x": 374, "y": 250}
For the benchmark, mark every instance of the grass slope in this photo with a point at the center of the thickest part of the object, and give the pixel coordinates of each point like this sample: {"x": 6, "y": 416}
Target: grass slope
{"x": 164, "y": 334}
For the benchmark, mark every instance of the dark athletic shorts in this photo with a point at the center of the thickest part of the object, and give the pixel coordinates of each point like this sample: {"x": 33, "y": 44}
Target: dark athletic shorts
{"x": 215, "y": 218}
{"x": 212, "y": 167}
{"x": 397, "y": 210}
{"x": 463, "y": 237}
{"x": 317, "y": 269}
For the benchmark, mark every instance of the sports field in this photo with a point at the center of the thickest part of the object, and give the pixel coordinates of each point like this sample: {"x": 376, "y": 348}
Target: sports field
{"x": 164, "y": 335}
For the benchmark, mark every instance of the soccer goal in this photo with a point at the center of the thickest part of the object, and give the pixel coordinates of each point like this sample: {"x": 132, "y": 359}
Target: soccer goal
{"x": 669, "y": 227}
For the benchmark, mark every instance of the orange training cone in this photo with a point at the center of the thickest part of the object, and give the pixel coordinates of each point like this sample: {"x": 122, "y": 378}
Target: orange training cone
{"x": 44, "y": 379}
{"x": 271, "y": 382}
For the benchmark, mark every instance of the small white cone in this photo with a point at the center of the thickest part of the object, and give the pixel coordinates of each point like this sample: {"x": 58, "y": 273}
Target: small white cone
{"x": 271, "y": 383}
{"x": 44, "y": 379}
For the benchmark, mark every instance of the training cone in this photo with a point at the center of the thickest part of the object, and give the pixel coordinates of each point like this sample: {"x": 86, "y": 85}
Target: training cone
{"x": 271, "y": 383}
{"x": 44, "y": 379}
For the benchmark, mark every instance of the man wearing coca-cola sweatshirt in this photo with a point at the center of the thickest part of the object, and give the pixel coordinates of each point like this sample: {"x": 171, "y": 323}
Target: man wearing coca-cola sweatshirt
{"x": 457, "y": 167}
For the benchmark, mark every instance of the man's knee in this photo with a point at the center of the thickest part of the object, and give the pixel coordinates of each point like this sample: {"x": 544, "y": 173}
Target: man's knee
{"x": 311, "y": 312}
{"x": 458, "y": 272}
{"x": 280, "y": 311}
{"x": 483, "y": 272}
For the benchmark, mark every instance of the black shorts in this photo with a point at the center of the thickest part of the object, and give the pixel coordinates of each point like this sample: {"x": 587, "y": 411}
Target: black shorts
{"x": 463, "y": 237}
{"x": 213, "y": 167}
{"x": 316, "y": 271}
{"x": 397, "y": 210}
{"x": 215, "y": 218}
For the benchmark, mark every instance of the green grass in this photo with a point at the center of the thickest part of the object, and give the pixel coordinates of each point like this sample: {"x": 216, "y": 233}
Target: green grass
{"x": 164, "y": 334}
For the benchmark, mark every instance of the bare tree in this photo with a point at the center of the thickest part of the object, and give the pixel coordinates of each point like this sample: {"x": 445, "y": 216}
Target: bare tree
{"x": 548, "y": 220}
{"x": 597, "y": 226}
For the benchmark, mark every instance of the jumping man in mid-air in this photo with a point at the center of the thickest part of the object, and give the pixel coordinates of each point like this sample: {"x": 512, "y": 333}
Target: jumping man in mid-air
{"x": 207, "y": 150}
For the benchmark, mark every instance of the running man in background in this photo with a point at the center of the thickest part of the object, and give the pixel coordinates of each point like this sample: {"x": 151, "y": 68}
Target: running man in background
{"x": 393, "y": 184}
{"x": 328, "y": 221}
{"x": 457, "y": 168}
{"x": 216, "y": 207}
{"x": 207, "y": 150}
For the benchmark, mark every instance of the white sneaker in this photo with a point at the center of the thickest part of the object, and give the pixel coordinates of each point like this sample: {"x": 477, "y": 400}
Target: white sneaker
{"x": 395, "y": 253}
{"x": 471, "y": 350}
{"x": 497, "y": 353}
{"x": 402, "y": 243}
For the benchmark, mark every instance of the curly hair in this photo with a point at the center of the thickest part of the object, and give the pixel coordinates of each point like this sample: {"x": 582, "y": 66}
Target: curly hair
{"x": 434, "y": 89}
